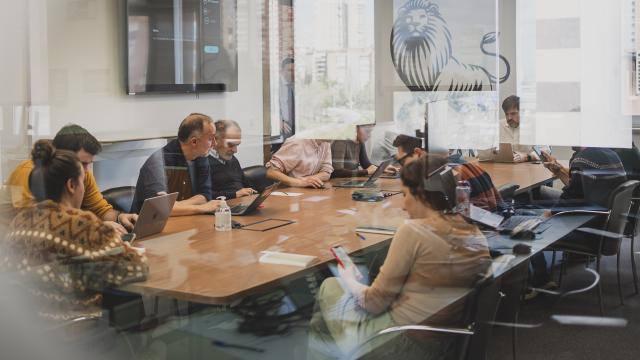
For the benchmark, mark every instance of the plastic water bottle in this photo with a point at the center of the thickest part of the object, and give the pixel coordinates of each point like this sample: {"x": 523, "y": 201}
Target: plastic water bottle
{"x": 463, "y": 195}
{"x": 223, "y": 216}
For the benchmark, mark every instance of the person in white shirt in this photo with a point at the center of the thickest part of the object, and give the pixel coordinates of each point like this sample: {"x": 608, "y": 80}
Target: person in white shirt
{"x": 510, "y": 130}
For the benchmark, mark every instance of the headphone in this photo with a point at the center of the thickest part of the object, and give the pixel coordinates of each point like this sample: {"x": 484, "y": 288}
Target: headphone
{"x": 440, "y": 188}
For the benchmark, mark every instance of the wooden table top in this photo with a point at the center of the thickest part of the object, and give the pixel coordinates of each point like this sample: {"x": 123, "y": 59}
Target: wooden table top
{"x": 527, "y": 175}
{"x": 191, "y": 261}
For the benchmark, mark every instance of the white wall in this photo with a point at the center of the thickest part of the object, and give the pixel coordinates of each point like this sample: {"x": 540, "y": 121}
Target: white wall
{"x": 84, "y": 83}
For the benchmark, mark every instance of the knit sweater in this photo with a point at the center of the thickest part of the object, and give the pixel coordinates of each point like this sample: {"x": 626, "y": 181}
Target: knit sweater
{"x": 64, "y": 258}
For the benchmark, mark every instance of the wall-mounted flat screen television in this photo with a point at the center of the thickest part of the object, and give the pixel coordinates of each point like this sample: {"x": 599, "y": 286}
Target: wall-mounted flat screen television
{"x": 181, "y": 46}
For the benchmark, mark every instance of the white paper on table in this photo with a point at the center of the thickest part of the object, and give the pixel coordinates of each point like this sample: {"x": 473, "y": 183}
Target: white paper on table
{"x": 347, "y": 211}
{"x": 281, "y": 258}
{"x": 315, "y": 198}
{"x": 281, "y": 193}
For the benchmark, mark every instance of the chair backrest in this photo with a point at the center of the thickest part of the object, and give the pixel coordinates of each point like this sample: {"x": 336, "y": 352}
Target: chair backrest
{"x": 508, "y": 191}
{"x": 120, "y": 198}
{"x": 482, "y": 306}
{"x": 619, "y": 206}
{"x": 598, "y": 185}
{"x": 257, "y": 177}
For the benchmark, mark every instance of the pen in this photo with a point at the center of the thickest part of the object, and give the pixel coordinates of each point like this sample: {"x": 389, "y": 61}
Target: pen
{"x": 361, "y": 236}
{"x": 236, "y": 346}
{"x": 285, "y": 193}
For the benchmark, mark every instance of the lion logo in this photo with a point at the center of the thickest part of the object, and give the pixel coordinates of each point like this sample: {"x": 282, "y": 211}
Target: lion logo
{"x": 423, "y": 57}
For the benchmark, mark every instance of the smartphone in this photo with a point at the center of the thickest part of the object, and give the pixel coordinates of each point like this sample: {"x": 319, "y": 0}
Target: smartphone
{"x": 345, "y": 261}
{"x": 128, "y": 237}
{"x": 538, "y": 150}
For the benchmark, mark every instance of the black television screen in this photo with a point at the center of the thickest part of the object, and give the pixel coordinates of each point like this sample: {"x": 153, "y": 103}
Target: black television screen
{"x": 181, "y": 46}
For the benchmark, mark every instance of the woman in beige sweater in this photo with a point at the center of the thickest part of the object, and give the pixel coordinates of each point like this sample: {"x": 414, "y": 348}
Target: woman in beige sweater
{"x": 433, "y": 256}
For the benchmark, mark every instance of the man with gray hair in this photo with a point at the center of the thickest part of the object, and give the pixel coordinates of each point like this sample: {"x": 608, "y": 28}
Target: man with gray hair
{"x": 227, "y": 177}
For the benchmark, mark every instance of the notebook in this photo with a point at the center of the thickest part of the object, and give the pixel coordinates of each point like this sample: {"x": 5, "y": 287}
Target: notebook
{"x": 282, "y": 258}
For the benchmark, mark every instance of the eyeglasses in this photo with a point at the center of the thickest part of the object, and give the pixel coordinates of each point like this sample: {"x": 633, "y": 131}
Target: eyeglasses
{"x": 402, "y": 159}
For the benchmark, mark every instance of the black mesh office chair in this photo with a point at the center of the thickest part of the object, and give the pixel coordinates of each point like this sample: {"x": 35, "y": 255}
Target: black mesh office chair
{"x": 605, "y": 241}
{"x": 120, "y": 198}
{"x": 257, "y": 177}
{"x": 472, "y": 340}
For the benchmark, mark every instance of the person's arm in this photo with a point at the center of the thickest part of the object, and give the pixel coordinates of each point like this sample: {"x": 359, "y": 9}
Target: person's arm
{"x": 203, "y": 177}
{"x": 364, "y": 158}
{"x": 195, "y": 205}
{"x": 558, "y": 170}
{"x": 401, "y": 257}
{"x": 228, "y": 194}
{"x": 93, "y": 200}
{"x": 277, "y": 175}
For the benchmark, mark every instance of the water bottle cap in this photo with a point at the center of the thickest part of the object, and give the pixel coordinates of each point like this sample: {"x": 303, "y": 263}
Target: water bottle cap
{"x": 222, "y": 200}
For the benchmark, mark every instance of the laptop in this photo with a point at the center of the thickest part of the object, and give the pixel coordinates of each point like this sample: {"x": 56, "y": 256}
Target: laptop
{"x": 505, "y": 153}
{"x": 366, "y": 183}
{"x": 498, "y": 222}
{"x": 154, "y": 215}
{"x": 243, "y": 209}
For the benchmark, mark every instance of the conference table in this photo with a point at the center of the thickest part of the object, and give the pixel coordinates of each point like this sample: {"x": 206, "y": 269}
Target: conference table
{"x": 192, "y": 261}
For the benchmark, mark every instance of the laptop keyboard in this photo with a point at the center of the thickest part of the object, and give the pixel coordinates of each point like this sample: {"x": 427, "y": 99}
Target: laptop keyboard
{"x": 510, "y": 223}
{"x": 238, "y": 208}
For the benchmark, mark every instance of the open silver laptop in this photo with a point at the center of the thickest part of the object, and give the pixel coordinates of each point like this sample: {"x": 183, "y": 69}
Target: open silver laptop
{"x": 154, "y": 215}
{"x": 370, "y": 181}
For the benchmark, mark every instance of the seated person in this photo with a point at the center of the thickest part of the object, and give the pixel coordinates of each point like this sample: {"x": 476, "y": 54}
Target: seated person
{"x": 181, "y": 166}
{"x": 227, "y": 177}
{"x": 65, "y": 268}
{"x": 77, "y": 139}
{"x": 583, "y": 159}
{"x": 301, "y": 163}
{"x": 510, "y": 131}
{"x": 483, "y": 193}
{"x": 630, "y": 159}
{"x": 350, "y": 157}
{"x": 430, "y": 253}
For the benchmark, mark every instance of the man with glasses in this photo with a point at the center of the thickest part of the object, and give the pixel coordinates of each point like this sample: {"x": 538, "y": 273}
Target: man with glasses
{"x": 181, "y": 166}
{"x": 483, "y": 193}
{"x": 227, "y": 177}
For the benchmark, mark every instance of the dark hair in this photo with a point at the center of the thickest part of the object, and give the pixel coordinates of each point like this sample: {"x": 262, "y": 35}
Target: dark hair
{"x": 511, "y": 102}
{"x": 223, "y": 125}
{"x": 53, "y": 168}
{"x": 192, "y": 125}
{"x": 286, "y": 61}
{"x": 414, "y": 175}
{"x": 74, "y": 138}
{"x": 407, "y": 143}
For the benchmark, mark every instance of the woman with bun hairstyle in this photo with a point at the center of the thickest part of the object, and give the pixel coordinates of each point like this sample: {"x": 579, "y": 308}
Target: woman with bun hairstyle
{"x": 61, "y": 255}
{"x": 432, "y": 254}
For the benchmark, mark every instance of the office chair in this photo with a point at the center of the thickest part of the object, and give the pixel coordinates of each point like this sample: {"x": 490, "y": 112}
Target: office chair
{"x": 508, "y": 191}
{"x": 120, "y": 198}
{"x": 257, "y": 177}
{"x": 472, "y": 340}
{"x": 596, "y": 243}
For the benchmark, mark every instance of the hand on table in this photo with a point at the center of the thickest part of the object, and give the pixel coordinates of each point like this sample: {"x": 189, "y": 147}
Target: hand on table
{"x": 371, "y": 169}
{"x": 391, "y": 170}
{"x": 128, "y": 220}
{"x": 519, "y": 157}
{"x": 245, "y": 192}
{"x": 210, "y": 206}
{"x": 310, "y": 181}
{"x": 117, "y": 227}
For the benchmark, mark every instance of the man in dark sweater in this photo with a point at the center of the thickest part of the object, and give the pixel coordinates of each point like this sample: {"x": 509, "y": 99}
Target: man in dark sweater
{"x": 227, "y": 177}
{"x": 350, "y": 157}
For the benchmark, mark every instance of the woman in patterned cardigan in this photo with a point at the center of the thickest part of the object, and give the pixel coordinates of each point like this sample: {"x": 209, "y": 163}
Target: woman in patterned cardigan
{"x": 63, "y": 256}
